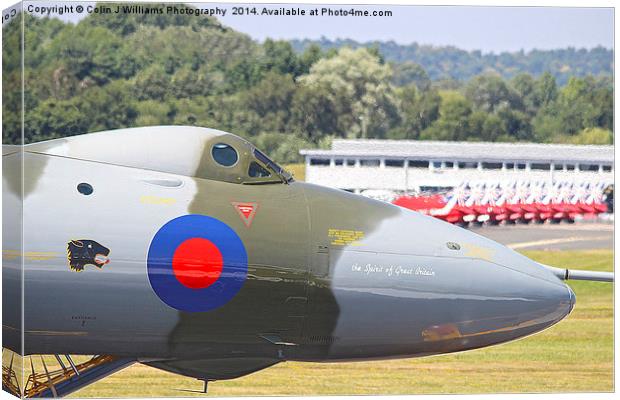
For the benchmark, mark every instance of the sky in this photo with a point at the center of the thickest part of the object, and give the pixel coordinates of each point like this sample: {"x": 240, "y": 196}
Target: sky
{"x": 489, "y": 29}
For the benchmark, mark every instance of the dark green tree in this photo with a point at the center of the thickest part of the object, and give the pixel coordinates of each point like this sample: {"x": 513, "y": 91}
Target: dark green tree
{"x": 271, "y": 101}
{"x": 280, "y": 58}
{"x": 411, "y": 73}
{"x": 488, "y": 92}
{"x": 418, "y": 110}
{"x": 310, "y": 56}
{"x": 453, "y": 122}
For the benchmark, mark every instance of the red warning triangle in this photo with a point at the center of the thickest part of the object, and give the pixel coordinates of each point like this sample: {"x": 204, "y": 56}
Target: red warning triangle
{"x": 246, "y": 211}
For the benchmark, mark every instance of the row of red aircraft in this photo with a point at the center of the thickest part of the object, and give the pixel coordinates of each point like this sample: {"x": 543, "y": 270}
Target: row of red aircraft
{"x": 512, "y": 202}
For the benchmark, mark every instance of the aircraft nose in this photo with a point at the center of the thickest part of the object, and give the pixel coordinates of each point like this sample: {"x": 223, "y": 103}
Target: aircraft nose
{"x": 501, "y": 294}
{"x": 544, "y": 302}
{"x": 441, "y": 289}
{"x": 502, "y": 304}
{"x": 522, "y": 297}
{"x": 528, "y": 295}
{"x": 541, "y": 287}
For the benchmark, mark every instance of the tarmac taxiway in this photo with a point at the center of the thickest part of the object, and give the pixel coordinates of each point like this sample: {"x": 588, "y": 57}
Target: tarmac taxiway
{"x": 563, "y": 236}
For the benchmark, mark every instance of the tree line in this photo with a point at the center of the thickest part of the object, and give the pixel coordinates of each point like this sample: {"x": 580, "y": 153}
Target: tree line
{"x": 449, "y": 62}
{"x": 136, "y": 70}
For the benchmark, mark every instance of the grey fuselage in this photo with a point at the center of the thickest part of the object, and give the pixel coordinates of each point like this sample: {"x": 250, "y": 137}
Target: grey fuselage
{"x": 331, "y": 276}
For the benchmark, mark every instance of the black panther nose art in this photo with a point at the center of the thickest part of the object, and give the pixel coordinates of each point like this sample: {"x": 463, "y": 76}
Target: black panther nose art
{"x": 84, "y": 252}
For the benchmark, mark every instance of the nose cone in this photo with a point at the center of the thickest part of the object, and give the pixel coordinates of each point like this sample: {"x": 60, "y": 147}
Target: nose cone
{"x": 521, "y": 297}
{"x": 492, "y": 304}
{"x": 504, "y": 295}
{"x": 483, "y": 292}
{"x": 418, "y": 286}
{"x": 537, "y": 303}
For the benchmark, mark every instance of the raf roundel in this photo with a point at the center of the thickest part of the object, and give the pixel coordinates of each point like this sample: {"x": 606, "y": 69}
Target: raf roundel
{"x": 196, "y": 263}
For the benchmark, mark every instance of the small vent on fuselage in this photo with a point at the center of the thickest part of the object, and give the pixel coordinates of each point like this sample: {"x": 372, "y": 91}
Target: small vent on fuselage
{"x": 322, "y": 339}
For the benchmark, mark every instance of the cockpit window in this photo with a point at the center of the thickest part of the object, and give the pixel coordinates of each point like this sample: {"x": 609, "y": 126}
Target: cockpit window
{"x": 257, "y": 171}
{"x": 267, "y": 161}
{"x": 224, "y": 155}
{"x": 278, "y": 170}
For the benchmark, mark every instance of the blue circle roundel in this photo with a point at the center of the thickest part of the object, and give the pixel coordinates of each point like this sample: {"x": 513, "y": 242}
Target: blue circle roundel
{"x": 196, "y": 263}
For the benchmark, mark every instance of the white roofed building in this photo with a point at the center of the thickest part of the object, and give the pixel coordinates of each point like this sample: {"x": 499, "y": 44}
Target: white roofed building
{"x": 405, "y": 165}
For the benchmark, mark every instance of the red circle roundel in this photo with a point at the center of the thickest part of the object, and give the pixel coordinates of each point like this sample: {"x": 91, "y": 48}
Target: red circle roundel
{"x": 196, "y": 263}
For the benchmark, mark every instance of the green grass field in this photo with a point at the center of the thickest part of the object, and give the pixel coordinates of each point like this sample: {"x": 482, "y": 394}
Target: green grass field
{"x": 298, "y": 171}
{"x": 575, "y": 355}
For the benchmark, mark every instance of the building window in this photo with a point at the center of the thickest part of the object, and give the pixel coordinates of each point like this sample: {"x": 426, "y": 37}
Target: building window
{"x": 418, "y": 164}
{"x": 491, "y": 165}
{"x": 449, "y": 164}
{"x": 588, "y": 167}
{"x": 540, "y": 166}
{"x": 437, "y": 164}
{"x": 570, "y": 167}
{"x": 338, "y": 161}
{"x": 319, "y": 161}
{"x": 468, "y": 165}
{"x": 521, "y": 166}
{"x": 510, "y": 165}
{"x": 395, "y": 163}
{"x": 435, "y": 189}
{"x": 558, "y": 167}
{"x": 350, "y": 162}
{"x": 607, "y": 168}
{"x": 370, "y": 163}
